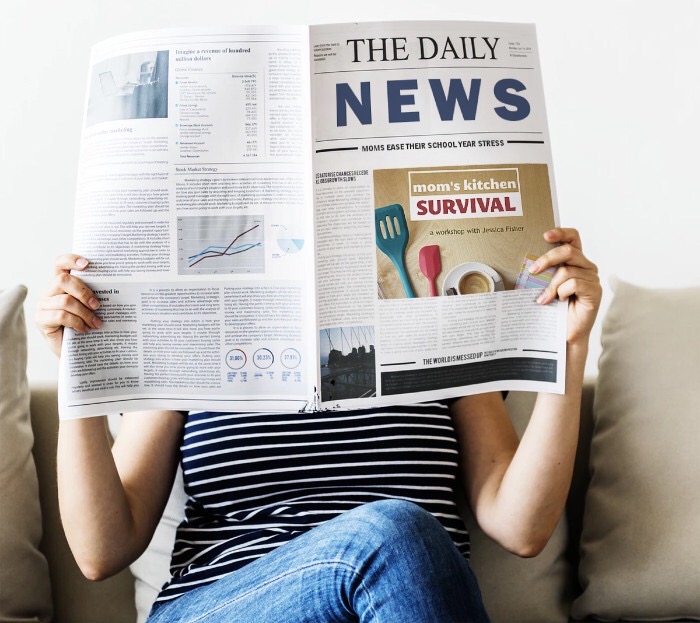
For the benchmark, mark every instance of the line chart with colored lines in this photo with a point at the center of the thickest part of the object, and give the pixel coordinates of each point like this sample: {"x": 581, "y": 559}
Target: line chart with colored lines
{"x": 220, "y": 244}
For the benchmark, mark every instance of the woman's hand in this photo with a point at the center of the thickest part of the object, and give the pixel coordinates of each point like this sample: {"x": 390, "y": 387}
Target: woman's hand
{"x": 576, "y": 278}
{"x": 67, "y": 302}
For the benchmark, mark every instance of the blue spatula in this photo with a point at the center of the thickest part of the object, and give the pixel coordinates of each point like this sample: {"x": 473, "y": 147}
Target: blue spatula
{"x": 392, "y": 239}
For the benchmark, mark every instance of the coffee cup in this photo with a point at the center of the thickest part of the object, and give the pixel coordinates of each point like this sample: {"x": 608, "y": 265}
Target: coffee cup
{"x": 475, "y": 282}
{"x": 472, "y": 278}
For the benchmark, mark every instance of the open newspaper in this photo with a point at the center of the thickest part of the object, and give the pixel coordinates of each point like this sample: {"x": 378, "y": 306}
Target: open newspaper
{"x": 295, "y": 218}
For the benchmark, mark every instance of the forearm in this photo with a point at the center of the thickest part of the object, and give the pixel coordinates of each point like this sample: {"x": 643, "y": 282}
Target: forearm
{"x": 94, "y": 507}
{"x": 518, "y": 488}
{"x": 111, "y": 498}
{"x": 532, "y": 493}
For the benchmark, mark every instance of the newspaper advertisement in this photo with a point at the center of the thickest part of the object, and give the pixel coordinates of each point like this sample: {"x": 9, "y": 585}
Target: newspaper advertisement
{"x": 295, "y": 218}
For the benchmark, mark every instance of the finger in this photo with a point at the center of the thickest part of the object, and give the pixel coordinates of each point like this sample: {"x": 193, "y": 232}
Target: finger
{"x": 69, "y": 261}
{"x": 564, "y": 235}
{"x": 562, "y": 276}
{"x": 583, "y": 289}
{"x": 65, "y": 283}
{"x": 68, "y": 303}
{"x": 52, "y": 321}
{"x": 564, "y": 254}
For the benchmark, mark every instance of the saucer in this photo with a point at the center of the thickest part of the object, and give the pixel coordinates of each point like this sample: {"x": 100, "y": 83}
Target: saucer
{"x": 453, "y": 277}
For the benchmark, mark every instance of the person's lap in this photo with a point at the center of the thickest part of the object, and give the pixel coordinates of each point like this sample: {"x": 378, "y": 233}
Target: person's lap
{"x": 384, "y": 562}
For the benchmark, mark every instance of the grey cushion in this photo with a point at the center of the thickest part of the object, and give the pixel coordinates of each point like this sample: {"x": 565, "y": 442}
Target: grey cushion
{"x": 640, "y": 547}
{"x": 25, "y": 591}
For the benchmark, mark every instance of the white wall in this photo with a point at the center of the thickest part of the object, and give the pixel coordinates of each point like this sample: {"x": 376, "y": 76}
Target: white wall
{"x": 621, "y": 81}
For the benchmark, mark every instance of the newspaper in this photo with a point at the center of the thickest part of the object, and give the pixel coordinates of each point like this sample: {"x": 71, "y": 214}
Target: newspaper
{"x": 303, "y": 218}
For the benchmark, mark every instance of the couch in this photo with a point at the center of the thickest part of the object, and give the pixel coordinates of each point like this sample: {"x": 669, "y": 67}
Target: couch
{"x": 628, "y": 547}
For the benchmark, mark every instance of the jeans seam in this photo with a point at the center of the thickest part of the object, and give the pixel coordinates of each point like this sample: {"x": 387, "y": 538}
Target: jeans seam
{"x": 368, "y": 593}
{"x": 280, "y": 577}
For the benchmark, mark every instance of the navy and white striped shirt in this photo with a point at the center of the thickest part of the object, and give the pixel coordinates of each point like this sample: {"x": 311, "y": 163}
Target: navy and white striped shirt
{"x": 256, "y": 480}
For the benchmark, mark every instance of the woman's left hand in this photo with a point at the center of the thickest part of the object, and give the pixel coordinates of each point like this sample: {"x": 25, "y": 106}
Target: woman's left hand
{"x": 576, "y": 278}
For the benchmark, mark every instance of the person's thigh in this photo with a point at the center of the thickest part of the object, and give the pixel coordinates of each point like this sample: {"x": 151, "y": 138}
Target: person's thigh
{"x": 384, "y": 562}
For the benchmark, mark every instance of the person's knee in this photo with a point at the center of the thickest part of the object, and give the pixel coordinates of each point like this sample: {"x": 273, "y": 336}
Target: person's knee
{"x": 399, "y": 520}
{"x": 405, "y": 537}
{"x": 396, "y": 510}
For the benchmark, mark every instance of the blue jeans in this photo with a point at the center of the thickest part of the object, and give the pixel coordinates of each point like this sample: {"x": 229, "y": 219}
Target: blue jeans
{"x": 383, "y": 562}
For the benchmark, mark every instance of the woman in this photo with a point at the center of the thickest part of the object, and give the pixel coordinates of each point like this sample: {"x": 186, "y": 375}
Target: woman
{"x": 334, "y": 527}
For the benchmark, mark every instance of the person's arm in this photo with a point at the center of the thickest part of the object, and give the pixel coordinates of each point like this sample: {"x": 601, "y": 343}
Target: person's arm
{"x": 110, "y": 498}
{"x": 517, "y": 489}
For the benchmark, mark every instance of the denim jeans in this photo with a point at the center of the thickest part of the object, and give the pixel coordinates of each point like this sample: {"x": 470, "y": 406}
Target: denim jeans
{"x": 383, "y": 562}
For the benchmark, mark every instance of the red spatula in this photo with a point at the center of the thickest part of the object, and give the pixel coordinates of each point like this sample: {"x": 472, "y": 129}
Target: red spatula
{"x": 430, "y": 265}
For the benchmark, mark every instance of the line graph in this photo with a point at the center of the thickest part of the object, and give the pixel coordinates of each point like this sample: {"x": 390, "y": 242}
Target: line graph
{"x": 220, "y": 244}
{"x": 214, "y": 250}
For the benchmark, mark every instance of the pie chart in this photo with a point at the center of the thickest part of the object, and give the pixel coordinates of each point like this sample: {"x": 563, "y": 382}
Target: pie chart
{"x": 290, "y": 245}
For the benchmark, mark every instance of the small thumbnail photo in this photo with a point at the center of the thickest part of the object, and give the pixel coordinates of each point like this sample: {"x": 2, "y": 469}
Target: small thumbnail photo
{"x": 347, "y": 363}
{"x": 131, "y": 86}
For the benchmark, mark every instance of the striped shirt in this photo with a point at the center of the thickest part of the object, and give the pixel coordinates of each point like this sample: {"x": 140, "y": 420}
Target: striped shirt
{"x": 256, "y": 480}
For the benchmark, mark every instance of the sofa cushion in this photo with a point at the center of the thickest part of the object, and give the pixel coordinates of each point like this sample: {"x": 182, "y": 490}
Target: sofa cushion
{"x": 25, "y": 591}
{"x": 640, "y": 544}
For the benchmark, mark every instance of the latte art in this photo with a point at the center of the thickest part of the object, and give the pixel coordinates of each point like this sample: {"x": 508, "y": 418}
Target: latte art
{"x": 475, "y": 283}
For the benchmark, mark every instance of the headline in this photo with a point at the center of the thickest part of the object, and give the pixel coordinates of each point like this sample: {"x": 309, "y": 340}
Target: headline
{"x": 507, "y": 100}
{"x": 206, "y": 54}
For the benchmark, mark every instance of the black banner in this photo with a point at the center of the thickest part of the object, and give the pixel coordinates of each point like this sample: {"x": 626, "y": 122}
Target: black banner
{"x": 427, "y": 379}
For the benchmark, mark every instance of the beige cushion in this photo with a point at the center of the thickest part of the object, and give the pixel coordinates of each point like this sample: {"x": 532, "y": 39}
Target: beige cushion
{"x": 25, "y": 592}
{"x": 640, "y": 547}
{"x": 526, "y": 590}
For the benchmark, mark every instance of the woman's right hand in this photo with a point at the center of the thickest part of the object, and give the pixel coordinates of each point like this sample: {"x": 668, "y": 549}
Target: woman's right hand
{"x": 67, "y": 302}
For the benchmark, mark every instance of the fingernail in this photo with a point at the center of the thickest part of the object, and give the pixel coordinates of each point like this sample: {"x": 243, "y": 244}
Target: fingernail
{"x": 542, "y": 297}
{"x": 534, "y": 267}
{"x": 96, "y": 322}
{"x": 81, "y": 262}
{"x": 93, "y": 303}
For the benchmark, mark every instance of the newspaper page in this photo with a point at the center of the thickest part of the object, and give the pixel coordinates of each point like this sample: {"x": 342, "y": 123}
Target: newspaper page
{"x": 433, "y": 186}
{"x": 193, "y": 206}
{"x": 245, "y": 260}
